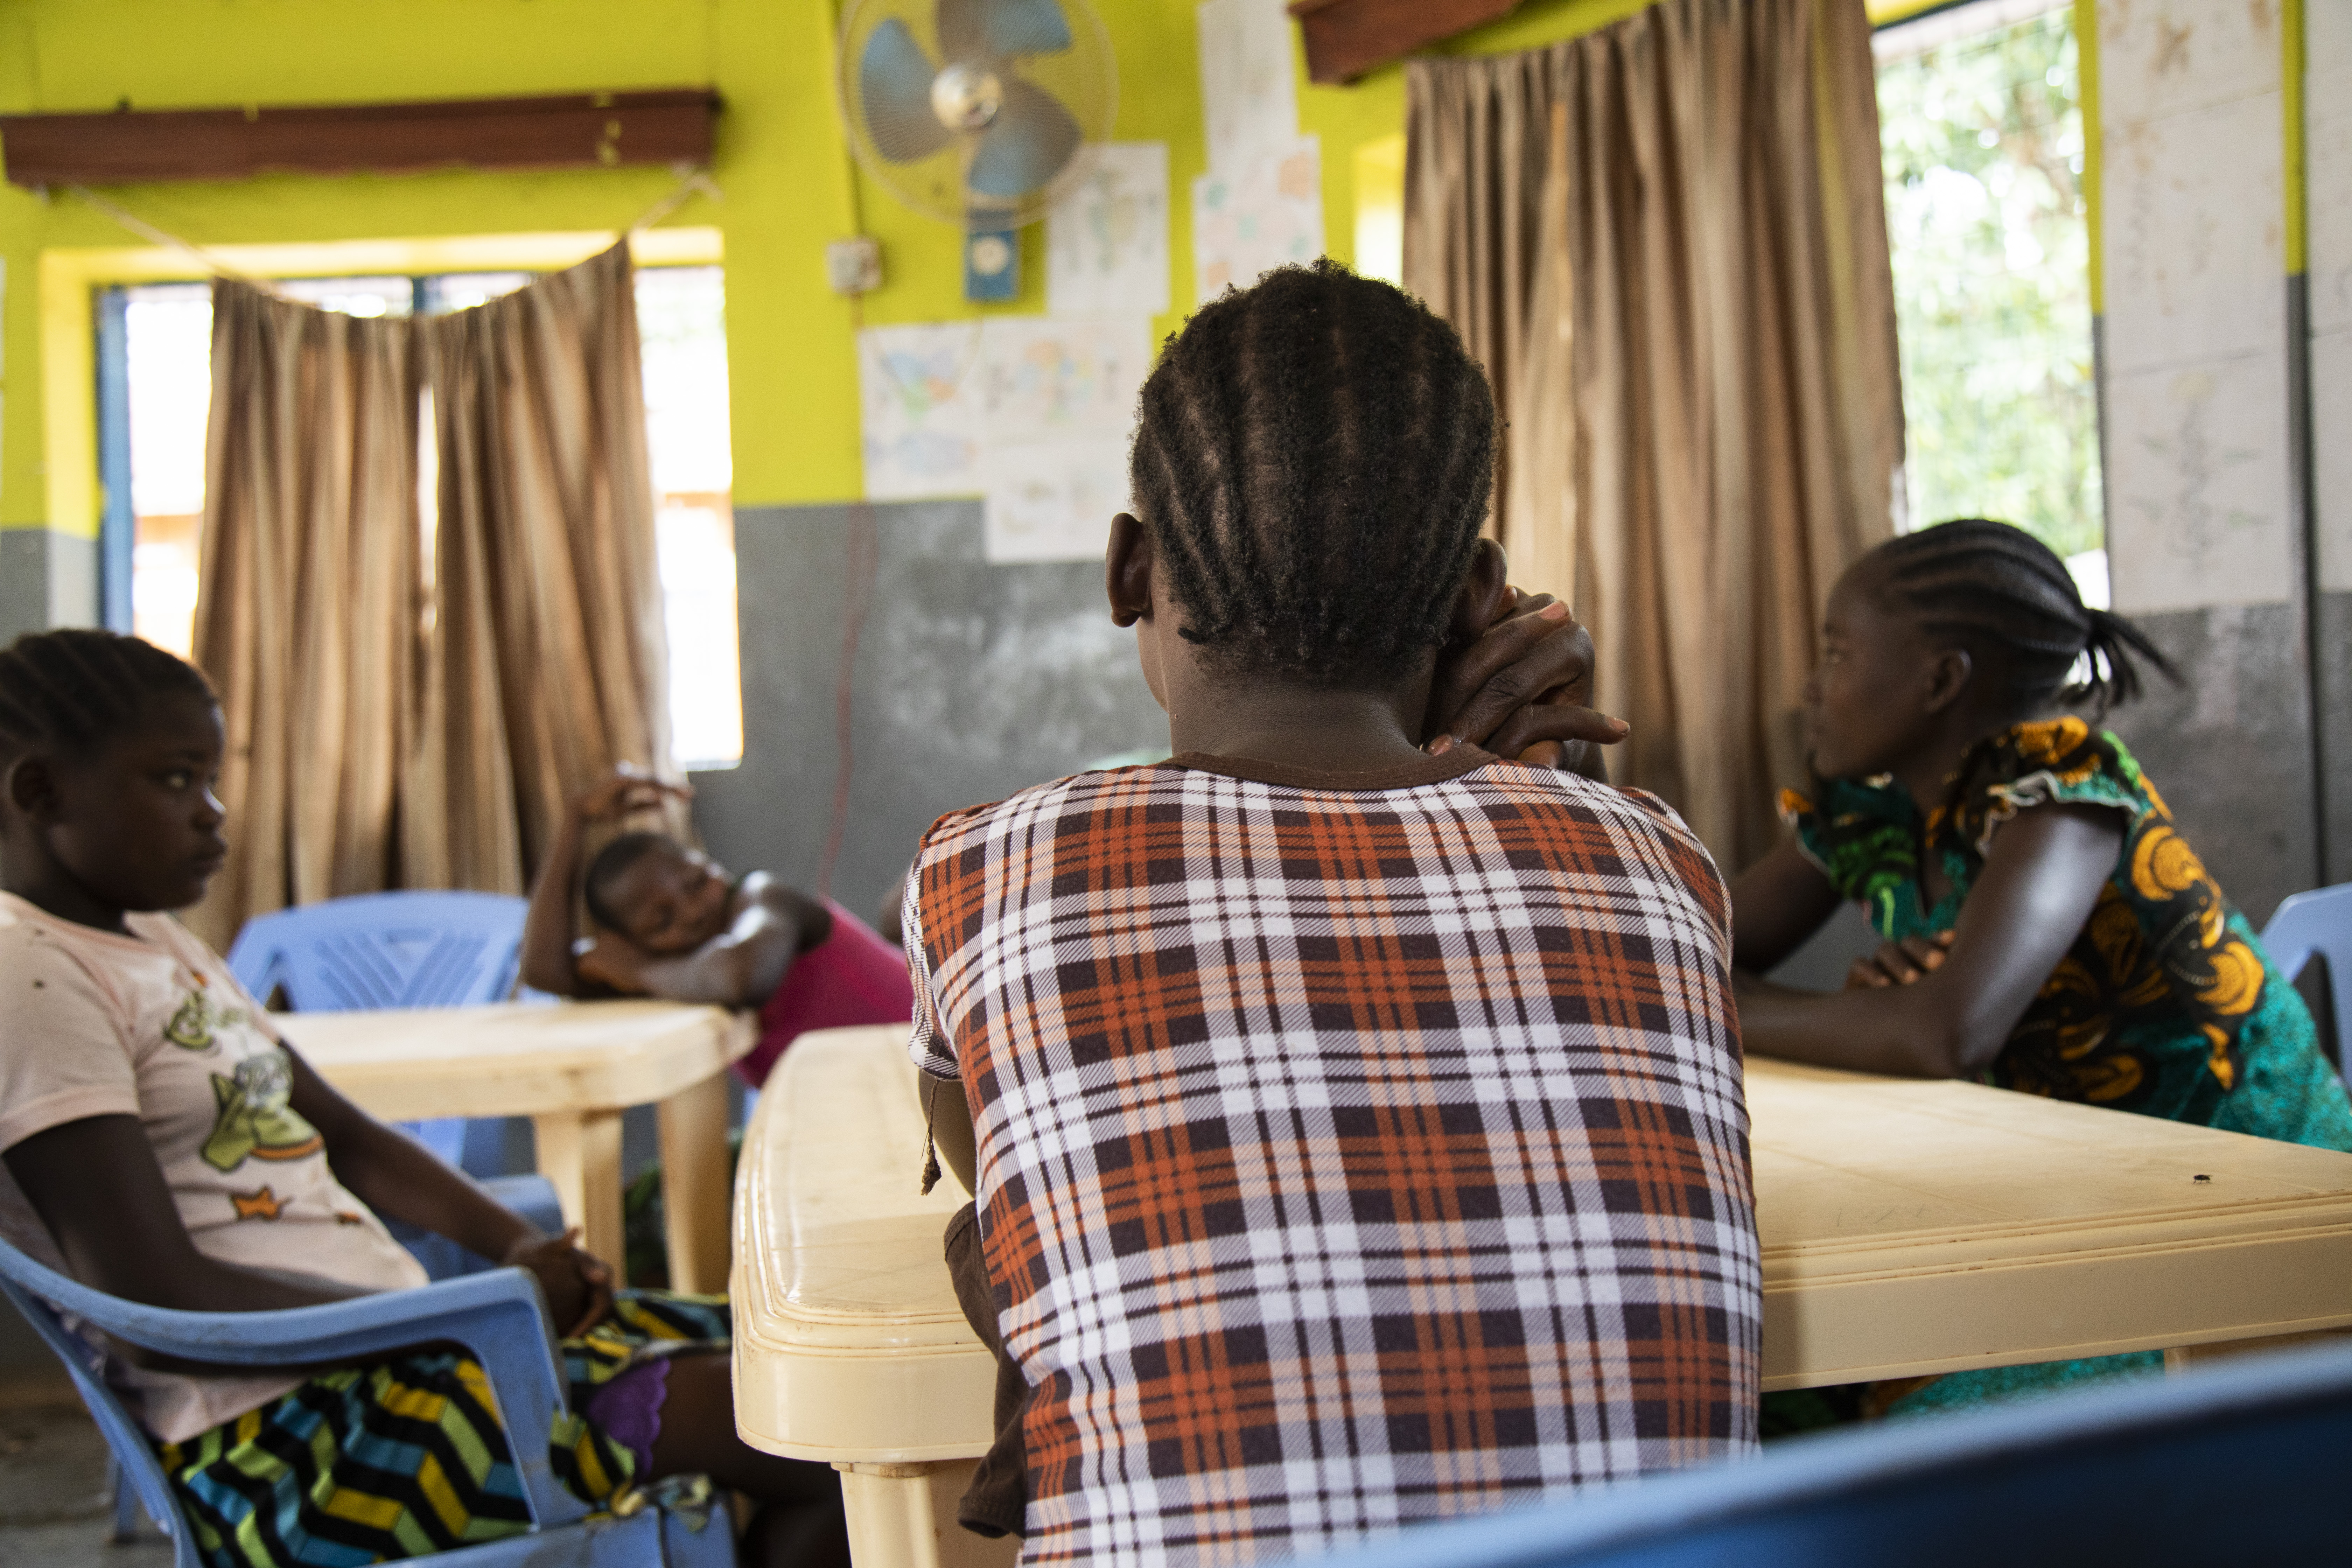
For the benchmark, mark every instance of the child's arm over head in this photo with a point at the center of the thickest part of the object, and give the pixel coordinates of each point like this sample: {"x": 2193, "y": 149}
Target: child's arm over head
{"x": 548, "y": 963}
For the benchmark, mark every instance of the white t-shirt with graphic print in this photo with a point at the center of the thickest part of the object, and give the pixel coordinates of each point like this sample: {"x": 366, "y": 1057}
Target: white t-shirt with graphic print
{"x": 154, "y": 1025}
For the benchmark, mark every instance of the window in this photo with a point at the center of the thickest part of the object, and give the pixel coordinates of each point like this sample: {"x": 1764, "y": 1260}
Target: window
{"x": 681, "y": 318}
{"x": 1981, "y": 123}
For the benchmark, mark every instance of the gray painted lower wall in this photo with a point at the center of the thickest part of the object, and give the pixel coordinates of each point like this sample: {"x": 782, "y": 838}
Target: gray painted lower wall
{"x": 2336, "y": 710}
{"x": 972, "y": 681}
{"x": 46, "y": 579}
{"x": 2230, "y": 749}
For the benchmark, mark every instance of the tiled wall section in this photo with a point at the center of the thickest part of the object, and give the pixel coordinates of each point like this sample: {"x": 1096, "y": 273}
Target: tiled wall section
{"x": 45, "y": 580}
{"x": 2191, "y": 115}
{"x": 2202, "y": 530}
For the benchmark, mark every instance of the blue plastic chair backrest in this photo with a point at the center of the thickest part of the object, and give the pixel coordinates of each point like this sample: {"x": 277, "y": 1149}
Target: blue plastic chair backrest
{"x": 125, "y": 1438}
{"x": 2240, "y": 1463}
{"x": 384, "y": 950}
{"x": 2318, "y": 922}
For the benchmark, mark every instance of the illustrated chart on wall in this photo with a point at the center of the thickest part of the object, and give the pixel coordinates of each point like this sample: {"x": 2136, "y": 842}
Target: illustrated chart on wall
{"x": 1248, "y": 104}
{"x": 919, "y": 390}
{"x": 1032, "y": 412}
{"x": 2196, "y": 362}
{"x": 1268, "y": 214}
{"x": 1107, "y": 241}
{"x": 1261, "y": 202}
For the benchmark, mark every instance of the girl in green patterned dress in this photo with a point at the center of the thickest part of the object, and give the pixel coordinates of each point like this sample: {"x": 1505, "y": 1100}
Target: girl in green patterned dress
{"x": 2044, "y": 925}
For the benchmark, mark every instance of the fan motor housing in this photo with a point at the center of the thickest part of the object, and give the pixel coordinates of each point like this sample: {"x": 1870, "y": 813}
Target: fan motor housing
{"x": 966, "y": 97}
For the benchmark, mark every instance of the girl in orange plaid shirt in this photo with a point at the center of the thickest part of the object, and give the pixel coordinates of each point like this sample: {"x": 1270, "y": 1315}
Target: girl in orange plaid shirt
{"x": 1352, "y": 1109}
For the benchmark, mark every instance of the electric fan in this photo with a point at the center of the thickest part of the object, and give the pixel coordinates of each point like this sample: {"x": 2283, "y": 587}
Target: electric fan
{"x": 980, "y": 112}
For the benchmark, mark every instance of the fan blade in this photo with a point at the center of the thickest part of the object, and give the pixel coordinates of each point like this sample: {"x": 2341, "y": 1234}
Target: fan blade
{"x": 970, "y": 30}
{"x": 894, "y": 89}
{"x": 1030, "y": 141}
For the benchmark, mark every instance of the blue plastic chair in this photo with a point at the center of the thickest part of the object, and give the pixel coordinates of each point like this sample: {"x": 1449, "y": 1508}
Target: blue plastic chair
{"x": 497, "y": 1317}
{"x": 2320, "y": 923}
{"x": 384, "y": 950}
{"x": 2241, "y": 1463}
{"x": 394, "y": 950}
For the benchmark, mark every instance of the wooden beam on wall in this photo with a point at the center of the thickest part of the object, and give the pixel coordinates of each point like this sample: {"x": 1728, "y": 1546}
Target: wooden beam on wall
{"x": 1345, "y": 38}
{"x": 580, "y": 130}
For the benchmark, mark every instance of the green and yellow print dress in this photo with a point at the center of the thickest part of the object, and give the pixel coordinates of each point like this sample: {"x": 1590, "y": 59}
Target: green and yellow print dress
{"x": 2166, "y": 1004}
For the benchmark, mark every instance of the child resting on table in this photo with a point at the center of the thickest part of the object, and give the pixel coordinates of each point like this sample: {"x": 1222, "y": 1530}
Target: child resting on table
{"x": 671, "y": 923}
{"x": 162, "y": 1144}
{"x": 1359, "y": 1125}
{"x": 2045, "y": 927}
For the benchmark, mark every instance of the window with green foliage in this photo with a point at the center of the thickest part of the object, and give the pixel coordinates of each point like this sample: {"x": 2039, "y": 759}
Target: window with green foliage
{"x": 1981, "y": 123}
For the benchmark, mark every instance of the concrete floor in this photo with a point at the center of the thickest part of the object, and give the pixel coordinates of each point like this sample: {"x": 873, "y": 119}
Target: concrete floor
{"x": 53, "y": 1498}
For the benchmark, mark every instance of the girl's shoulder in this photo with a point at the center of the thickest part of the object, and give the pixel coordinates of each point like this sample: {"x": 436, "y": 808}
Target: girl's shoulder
{"x": 2048, "y": 761}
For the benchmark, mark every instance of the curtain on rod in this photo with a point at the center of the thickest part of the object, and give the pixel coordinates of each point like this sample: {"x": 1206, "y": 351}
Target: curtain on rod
{"x": 1666, "y": 242}
{"x": 409, "y": 704}
{"x": 547, "y": 661}
{"x": 309, "y": 597}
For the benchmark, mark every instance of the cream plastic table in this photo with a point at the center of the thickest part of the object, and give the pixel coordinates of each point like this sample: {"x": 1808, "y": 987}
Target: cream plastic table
{"x": 1906, "y": 1227}
{"x": 573, "y": 1067}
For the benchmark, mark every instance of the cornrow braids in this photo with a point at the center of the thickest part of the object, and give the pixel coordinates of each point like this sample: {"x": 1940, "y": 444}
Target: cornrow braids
{"x": 1313, "y": 461}
{"x": 2007, "y": 598}
{"x": 75, "y": 690}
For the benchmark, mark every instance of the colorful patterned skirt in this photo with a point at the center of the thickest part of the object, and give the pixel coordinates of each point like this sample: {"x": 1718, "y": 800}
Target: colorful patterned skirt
{"x": 405, "y": 1456}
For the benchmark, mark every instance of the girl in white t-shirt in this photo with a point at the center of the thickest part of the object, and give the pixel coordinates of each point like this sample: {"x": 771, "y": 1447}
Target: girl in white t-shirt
{"x": 162, "y": 1144}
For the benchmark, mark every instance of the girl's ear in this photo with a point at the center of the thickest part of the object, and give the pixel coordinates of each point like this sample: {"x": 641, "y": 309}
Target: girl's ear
{"x": 1947, "y": 678}
{"x": 1127, "y": 571}
{"x": 30, "y": 785}
{"x": 1481, "y": 599}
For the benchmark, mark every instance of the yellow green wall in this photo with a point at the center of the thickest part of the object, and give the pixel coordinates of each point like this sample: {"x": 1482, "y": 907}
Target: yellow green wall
{"x": 787, "y": 182}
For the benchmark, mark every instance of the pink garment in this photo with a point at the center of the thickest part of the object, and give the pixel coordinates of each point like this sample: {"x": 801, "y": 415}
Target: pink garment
{"x": 852, "y": 977}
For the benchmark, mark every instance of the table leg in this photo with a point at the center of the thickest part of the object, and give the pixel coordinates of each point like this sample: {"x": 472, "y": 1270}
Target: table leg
{"x": 580, "y": 1154}
{"x": 903, "y": 1516}
{"x": 694, "y": 1184}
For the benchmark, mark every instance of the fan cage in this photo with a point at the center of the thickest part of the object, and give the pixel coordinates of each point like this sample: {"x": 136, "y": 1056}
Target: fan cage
{"x": 1084, "y": 78}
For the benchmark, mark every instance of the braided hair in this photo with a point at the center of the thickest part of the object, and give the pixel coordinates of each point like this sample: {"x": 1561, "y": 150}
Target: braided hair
{"x": 2007, "y": 598}
{"x": 77, "y": 690}
{"x": 611, "y": 863}
{"x": 1313, "y": 462}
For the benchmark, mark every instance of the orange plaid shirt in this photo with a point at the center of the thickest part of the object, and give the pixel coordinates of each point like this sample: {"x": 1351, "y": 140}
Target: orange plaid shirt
{"x": 1353, "y": 1150}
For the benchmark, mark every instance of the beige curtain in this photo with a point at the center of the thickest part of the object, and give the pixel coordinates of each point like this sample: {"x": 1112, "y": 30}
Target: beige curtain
{"x": 1666, "y": 239}
{"x": 308, "y": 598}
{"x": 546, "y": 663}
{"x": 413, "y": 712}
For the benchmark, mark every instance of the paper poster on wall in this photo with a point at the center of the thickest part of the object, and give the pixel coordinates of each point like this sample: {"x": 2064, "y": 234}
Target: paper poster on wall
{"x": 1032, "y": 412}
{"x": 1042, "y": 379}
{"x": 1268, "y": 213}
{"x": 1249, "y": 104}
{"x": 925, "y": 414}
{"x": 1053, "y": 501}
{"x": 1107, "y": 241}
